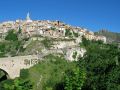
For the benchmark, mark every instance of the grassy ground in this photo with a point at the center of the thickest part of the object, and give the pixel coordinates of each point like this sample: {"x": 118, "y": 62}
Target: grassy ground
{"x": 47, "y": 74}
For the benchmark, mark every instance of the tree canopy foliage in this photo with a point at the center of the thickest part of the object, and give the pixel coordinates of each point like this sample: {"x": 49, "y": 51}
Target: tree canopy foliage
{"x": 11, "y": 44}
{"x": 74, "y": 79}
{"x": 11, "y": 36}
{"x": 101, "y": 62}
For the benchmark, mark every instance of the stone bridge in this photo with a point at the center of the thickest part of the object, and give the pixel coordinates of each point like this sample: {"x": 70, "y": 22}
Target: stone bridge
{"x": 12, "y": 65}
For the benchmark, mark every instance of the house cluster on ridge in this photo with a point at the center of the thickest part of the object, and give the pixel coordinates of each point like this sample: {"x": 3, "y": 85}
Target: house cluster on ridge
{"x": 48, "y": 28}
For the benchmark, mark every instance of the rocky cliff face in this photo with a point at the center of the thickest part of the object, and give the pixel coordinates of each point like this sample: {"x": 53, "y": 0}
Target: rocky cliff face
{"x": 69, "y": 48}
{"x": 73, "y": 54}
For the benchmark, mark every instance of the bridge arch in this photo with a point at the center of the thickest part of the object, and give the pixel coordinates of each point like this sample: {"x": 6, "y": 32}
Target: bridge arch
{"x": 11, "y": 66}
{"x": 6, "y": 74}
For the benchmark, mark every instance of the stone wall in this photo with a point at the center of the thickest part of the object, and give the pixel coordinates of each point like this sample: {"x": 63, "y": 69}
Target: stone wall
{"x": 13, "y": 65}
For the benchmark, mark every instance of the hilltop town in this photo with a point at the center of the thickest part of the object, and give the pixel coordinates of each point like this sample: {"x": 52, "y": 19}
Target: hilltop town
{"x": 61, "y": 38}
{"x": 54, "y": 29}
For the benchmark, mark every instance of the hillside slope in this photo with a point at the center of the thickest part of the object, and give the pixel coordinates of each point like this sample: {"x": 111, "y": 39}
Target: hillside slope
{"x": 111, "y": 36}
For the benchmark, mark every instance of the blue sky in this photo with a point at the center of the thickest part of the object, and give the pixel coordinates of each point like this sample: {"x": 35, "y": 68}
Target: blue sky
{"x": 91, "y": 14}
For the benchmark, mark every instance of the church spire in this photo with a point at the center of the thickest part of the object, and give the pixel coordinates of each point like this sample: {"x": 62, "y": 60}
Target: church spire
{"x": 28, "y": 16}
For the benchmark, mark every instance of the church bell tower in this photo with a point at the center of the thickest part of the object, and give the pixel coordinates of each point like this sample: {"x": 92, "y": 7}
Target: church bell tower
{"x": 28, "y": 17}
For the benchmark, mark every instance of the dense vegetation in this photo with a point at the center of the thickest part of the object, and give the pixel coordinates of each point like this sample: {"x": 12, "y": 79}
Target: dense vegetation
{"x": 54, "y": 73}
{"x": 99, "y": 69}
{"x": 102, "y": 66}
{"x": 11, "y": 45}
{"x": 11, "y": 36}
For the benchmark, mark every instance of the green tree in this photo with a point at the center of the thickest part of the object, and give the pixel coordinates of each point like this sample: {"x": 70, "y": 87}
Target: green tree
{"x": 17, "y": 84}
{"x": 102, "y": 66}
{"x": 11, "y": 36}
{"x": 74, "y": 79}
{"x": 68, "y": 33}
